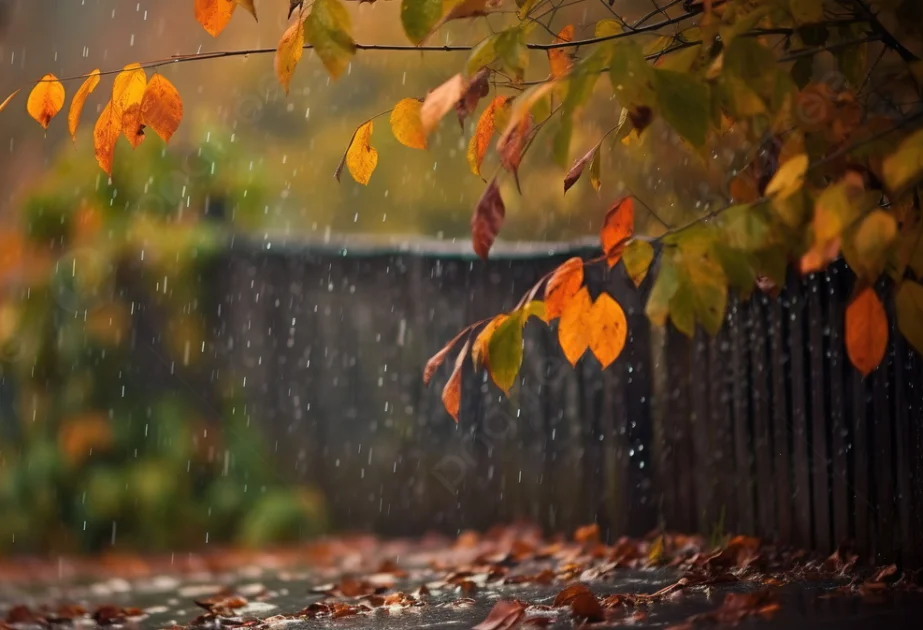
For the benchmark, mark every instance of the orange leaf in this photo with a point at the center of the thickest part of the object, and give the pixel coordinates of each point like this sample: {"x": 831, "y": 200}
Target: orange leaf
{"x": 451, "y": 393}
{"x": 132, "y": 126}
{"x": 866, "y": 331}
{"x": 562, "y": 285}
{"x": 510, "y": 147}
{"x": 105, "y": 135}
{"x": 289, "y": 52}
{"x": 574, "y": 327}
{"x": 161, "y": 107}
{"x": 406, "y": 125}
{"x": 438, "y": 102}
{"x": 618, "y": 227}
{"x": 46, "y": 100}
{"x": 127, "y": 93}
{"x": 483, "y": 132}
{"x": 608, "y": 329}
{"x": 479, "y": 353}
{"x": 436, "y": 360}
{"x": 488, "y": 217}
{"x": 214, "y": 15}
{"x": 86, "y": 88}
{"x": 559, "y": 59}
{"x": 9, "y": 98}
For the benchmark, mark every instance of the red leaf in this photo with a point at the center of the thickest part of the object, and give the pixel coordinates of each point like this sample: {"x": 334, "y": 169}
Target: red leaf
{"x": 487, "y": 219}
{"x": 451, "y": 393}
{"x": 510, "y": 147}
{"x": 477, "y": 89}
{"x": 618, "y": 227}
{"x": 503, "y": 616}
{"x": 576, "y": 170}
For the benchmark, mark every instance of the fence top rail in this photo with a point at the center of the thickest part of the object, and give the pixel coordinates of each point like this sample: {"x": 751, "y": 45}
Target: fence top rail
{"x": 368, "y": 245}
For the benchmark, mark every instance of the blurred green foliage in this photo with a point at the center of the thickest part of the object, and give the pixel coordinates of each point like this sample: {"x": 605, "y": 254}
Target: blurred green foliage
{"x": 100, "y": 281}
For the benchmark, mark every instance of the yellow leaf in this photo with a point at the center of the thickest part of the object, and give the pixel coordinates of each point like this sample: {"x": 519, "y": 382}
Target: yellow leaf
{"x": 618, "y": 227}
{"x": 406, "y": 124}
{"x": 483, "y": 132}
{"x": 105, "y": 135}
{"x": 214, "y": 15}
{"x": 868, "y": 251}
{"x": 329, "y": 30}
{"x": 46, "y": 100}
{"x": 161, "y": 107}
{"x": 562, "y": 286}
{"x": 608, "y": 329}
{"x": 451, "y": 393}
{"x": 574, "y": 327}
{"x": 9, "y": 98}
{"x": 789, "y": 179}
{"x": 86, "y": 88}
{"x": 637, "y": 257}
{"x": 361, "y": 156}
{"x": 438, "y": 102}
{"x": 479, "y": 351}
{"x": 866, "y": 331}
{"x": 289, "y": 52}
{"x": 559, "y": 59}
{"x": 127, "y": 93}
{"x": 250, "y": 7}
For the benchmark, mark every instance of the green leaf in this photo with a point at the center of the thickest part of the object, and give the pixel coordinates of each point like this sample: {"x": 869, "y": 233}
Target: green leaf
{"x": 561, "y": 145}
{"x": 482, "y": 55}
{"x": 745, "y": 23}
{"x": 665, "y": 286}
{"x": 684, "y": 102}
{"x": 707, "y": 290}
{"x": 746, "y": 227}
{"x": 681, "y": 60}
{"x": 637, "y": 257}
{"x": 909, "y": 305}
{"x": 419, "y": 17}
{"x": 511, "y": 50}
{"x": 583, "y": 77}
{"x": 607, "y": 28}
{"x": 505, "y": 351}
{"x": 535, "y": 308}
{"x": 867, "y": 247}
{"x": 594, "y": 170}
{"x": 739, "y": 268}
{"x": 631, "y": 75}
{"x": 328, "y": 29}
{"x": 904, "y": 167}
{"x": 682, "y": 310}
{"x": 772, "y": 262}
{"x": 524, "y": 7}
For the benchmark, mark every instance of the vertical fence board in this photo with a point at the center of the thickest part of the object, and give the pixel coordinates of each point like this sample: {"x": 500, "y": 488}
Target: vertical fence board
{"x": 782, "y": 468}
{"x": 817, "y": 348}
{"x": 801, "y": 488}
{"x": 762, "y": 442}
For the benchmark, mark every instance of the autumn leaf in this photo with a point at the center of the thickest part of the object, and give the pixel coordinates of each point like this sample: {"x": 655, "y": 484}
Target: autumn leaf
{"x": 511, "y": 146}
{"x": 522, "y": 108}
{"x": 406, "y": 124}
{"x": 451, "y": 393}
{"x": 438, "y": 359}
{"x": 418, "y": 18}
{"x": 665, "y": 286}
{"x": 866, "y": 330}
{"x": 789, "y": 179}
{"x": 288, "y": 53}
{"x": 161, "y": 107}
{"x": 576, "y": 170}
{"x": 685, "y": 103}
{"x": 80, "y": 97}
{"x": 505, "y": 615}
{"x": 460, "y": 10}
{"x": 618, "y": 227}
{"x": 904, "y": 166}
{"x": 214, "y": 15}
{"x": 487, "y": 220}
{"x": 480, "y": 351}
{"x": 45, "y": 100}
{"x": 132, "y": 127}
{"x": 476, "y": 89}
{"x": 867, "y": 250}
{"x": 562, "y": 286}
{"x": 329, "y": 30}
{"x": 127, "y": 93}
{"x": 440, "y": 101}
{"x": 105, "y": 134}
{"x": 594, "y": 171}
{"x": 250, "y": 7}
{"x": 9, "y": 98}
{"x": 559, "y": 59}
{"x": 361, "y": 158}
{"x": 505, "y": 351}
{"x": 483, "y": 132}
{"x": 574, "y": 326}
{"x": 637, "y": 257}
{"x": 608, "y": 329}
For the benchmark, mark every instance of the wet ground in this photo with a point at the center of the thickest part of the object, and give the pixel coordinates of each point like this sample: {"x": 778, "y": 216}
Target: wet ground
{"x": 516, "y": 580}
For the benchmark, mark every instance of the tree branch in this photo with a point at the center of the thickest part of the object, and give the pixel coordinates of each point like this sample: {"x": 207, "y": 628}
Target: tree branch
{"x": 887, "y": 38}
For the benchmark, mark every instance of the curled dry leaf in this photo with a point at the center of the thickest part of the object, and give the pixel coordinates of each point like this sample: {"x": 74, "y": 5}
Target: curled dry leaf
{"x": 161, "y": 107}
{"x": 80, "y": 97}
{"x": 574, "y": 327}
{"x": 483, "y": 132}
{"x": 618, "y": 227}
{"x": 214, "y": 15}
{"x": 476, "y": 89}
{"x": 438, "y": 359}
{"x": 451, "y": 393}
{"x": 406, "y": 124}
{"x": 288, "y": 53}
{"x": 511, "y": 146}
{"x": 9, "y": 98}
{"x": 866, "y": 330}
{"x": 609, "y": 330}
{"x": 504, "y": 615}
{"x": 438, "y": 102}
{"x": 559, "y": 59}
{"x": 45, "y": 100}
{"x": 360, "y": 158}
{"x": 576, "y": 170}
{"x": 487, "y": 220}
{"x": 562, "y": 286}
